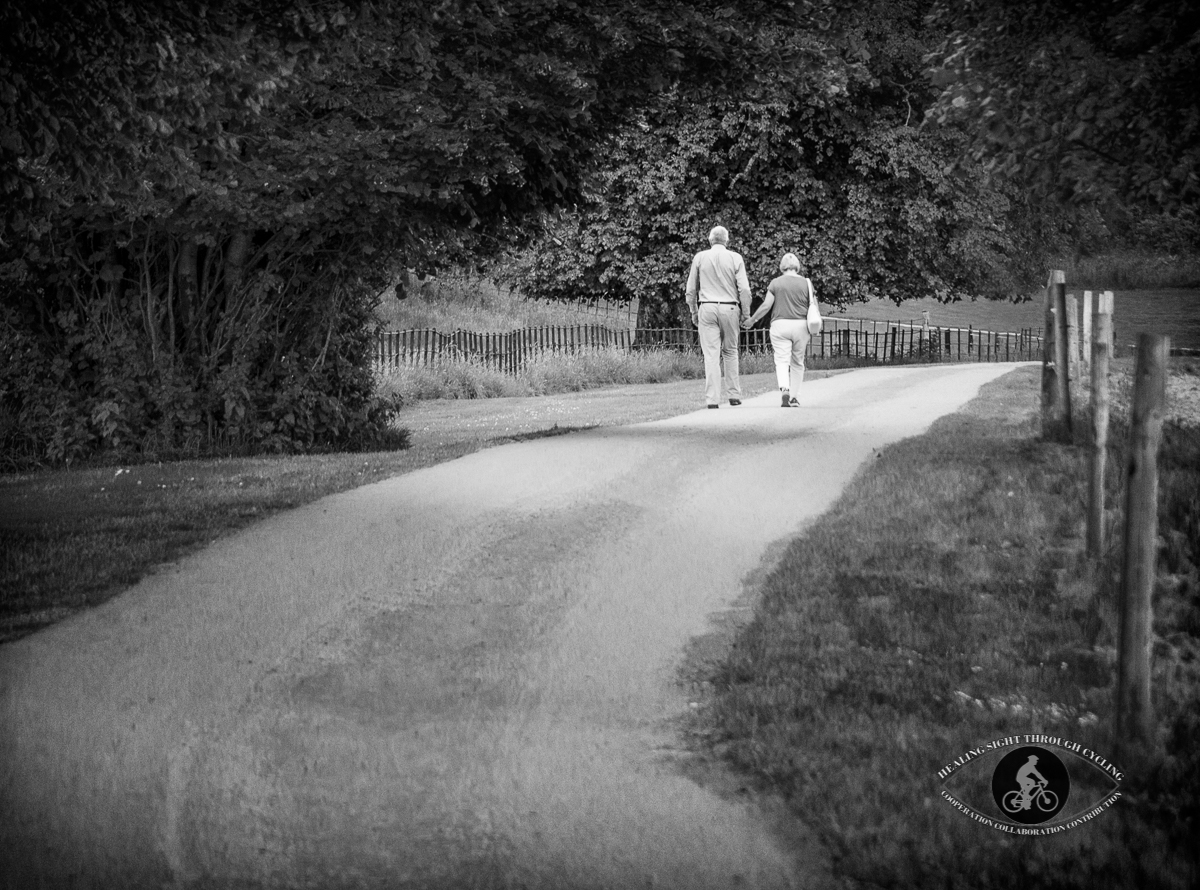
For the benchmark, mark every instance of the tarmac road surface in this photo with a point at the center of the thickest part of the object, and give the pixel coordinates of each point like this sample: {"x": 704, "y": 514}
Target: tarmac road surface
{"x": 465, "y": 676}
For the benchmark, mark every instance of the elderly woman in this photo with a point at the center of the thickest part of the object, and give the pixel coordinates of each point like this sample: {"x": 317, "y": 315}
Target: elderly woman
{"x": 787, "y": 300}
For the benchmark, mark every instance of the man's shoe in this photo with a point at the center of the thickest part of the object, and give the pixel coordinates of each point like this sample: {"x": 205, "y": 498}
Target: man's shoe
{"x": 714, "y": 406}
{"x": 735, "y": 402}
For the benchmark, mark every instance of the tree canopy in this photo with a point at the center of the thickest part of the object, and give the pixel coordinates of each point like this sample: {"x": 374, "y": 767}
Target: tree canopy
{"x": 1078, "y": 104}
{"x": 449, "y": 117}
{"x": 820, "y": 153}
{"x": 202, "y": 199}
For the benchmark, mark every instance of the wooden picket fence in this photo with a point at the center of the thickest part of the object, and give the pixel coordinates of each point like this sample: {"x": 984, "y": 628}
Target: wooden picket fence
{"x": 507, "y": 353}
{"x": 871, "y": 342}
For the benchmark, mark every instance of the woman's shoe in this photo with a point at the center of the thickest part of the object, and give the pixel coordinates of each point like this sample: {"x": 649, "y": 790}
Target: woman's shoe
{"x": 787, "y": 401}
{"x": 792, "y": 403}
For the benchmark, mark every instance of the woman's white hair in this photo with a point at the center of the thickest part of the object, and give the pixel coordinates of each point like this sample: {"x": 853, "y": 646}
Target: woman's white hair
{"x": 789, "y": 261}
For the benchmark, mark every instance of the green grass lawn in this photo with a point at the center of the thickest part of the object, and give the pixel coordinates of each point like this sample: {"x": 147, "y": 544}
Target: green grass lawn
{"x": 943, "y": 604}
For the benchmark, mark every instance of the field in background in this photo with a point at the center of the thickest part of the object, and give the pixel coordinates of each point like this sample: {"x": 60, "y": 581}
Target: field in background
{"x": 1132, "y": 270}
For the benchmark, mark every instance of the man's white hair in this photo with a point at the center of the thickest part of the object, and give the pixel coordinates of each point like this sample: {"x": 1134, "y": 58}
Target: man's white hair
{"x": 718, "y": 235}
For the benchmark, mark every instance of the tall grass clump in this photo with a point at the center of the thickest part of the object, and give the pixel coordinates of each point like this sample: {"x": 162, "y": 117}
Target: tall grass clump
{"x": 608, "y": 367}
{"x": 940, "y": 605}
{"x": 466, "y": 379}
{"x": 545, "y": 375}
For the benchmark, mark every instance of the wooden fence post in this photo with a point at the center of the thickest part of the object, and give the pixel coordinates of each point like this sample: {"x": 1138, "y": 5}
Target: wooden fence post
{"x": 1062, "y": 359}
{"x": 1056, "y": 398}
{"x": 1072, "y": 318}
{"x": 1135, "y": 717}
{"x": 1101, "y": 352}
{"x": 1049, "y": 415}
{"x": 1085, "y": 339}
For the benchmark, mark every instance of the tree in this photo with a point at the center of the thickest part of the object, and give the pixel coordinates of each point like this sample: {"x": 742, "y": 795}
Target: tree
{"x": 818, "y": 152}
{"x": 117, "y": 120}
{"x": 1085, "y": 106}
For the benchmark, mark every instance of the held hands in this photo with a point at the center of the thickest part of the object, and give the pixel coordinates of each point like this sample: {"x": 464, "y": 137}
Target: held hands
{"x": 748, "y": 323}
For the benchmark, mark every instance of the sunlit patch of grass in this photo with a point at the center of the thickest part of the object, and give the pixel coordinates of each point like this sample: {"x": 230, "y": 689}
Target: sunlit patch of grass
{"x": 609, "y": 367}
{"x": 460, "y": 300}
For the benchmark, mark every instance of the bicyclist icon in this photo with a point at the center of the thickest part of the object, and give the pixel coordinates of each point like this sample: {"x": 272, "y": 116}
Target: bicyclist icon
{"x": 1030, "y": 785}
{"x": 1033, "y": 787}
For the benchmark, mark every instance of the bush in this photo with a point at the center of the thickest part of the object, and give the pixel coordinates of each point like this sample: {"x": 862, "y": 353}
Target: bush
{"x": 92, "y": 384}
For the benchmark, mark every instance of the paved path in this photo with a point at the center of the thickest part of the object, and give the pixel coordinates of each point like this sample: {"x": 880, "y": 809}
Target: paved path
{"x": 461, "y": 677}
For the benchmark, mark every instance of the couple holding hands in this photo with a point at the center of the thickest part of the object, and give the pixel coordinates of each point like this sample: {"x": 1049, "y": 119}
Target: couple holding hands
{"x": 718, "y": 297}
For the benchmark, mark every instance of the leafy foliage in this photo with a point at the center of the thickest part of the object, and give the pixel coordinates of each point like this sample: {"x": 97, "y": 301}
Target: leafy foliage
{"x": 1080, "y": 103}
{"x": 819, "y": 156}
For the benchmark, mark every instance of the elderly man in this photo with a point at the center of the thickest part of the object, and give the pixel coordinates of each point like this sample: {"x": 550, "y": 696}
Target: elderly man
{"x": 718, "y": 297}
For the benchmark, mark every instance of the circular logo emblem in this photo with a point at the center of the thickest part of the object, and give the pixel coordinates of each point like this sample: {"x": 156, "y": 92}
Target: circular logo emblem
{"x": 1030, "y": 785}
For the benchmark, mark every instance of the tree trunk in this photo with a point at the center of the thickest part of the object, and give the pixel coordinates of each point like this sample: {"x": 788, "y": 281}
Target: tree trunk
{"x": 235, "y": 262}
{"x": 188, "y": 292}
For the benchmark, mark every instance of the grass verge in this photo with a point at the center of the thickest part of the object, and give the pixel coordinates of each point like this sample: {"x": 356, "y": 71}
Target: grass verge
{"x": 941, "y": 605}
{"x": 71, "y": 539}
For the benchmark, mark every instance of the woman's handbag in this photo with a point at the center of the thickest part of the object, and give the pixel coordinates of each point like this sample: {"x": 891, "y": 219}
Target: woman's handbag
{"x": 814, "y": 316}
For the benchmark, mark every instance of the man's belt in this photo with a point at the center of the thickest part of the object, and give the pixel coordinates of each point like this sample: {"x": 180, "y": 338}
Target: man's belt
{"x": 716, "y": 303}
